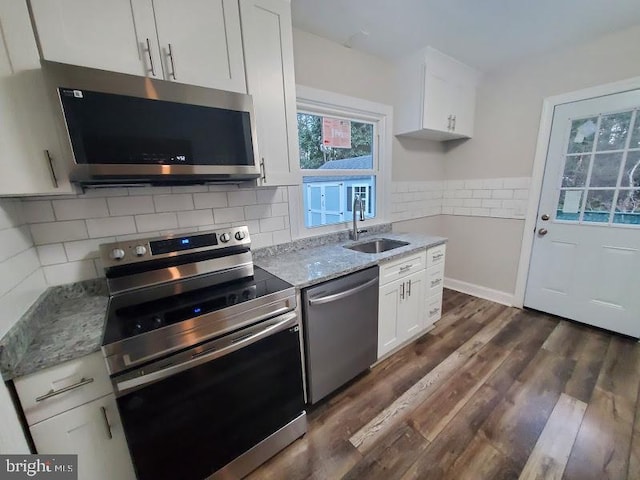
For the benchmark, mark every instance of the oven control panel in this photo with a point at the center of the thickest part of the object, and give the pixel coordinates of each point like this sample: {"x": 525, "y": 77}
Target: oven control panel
{"x": 142, "y": 250}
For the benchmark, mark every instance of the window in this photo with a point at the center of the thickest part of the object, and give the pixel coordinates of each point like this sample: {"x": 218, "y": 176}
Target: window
{"x": 600, "y": 182}
{"x": 344, "y": 154}
{"x": 333, "y": 145}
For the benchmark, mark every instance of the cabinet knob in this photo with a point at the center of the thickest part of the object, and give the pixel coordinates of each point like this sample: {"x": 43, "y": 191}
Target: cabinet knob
{"x": 542, "y": 232}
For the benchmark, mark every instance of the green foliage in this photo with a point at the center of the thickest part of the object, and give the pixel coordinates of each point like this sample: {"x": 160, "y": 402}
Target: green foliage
{"x": 313, "y": 154}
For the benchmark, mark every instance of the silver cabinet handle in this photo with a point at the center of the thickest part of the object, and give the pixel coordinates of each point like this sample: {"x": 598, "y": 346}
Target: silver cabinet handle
{"x": 436, "y": 282}
{"x": 437, "y": 256}
{"x": 402, "y": 292}
{"x": 54, "y": 179}
{"x": 434, "y": 311}
{"x": 106, "y": 422}
{"x": 173, "y": 65}
{"x": 449, "y": 124}
{"x": 409, "y": 289}
{"x": 341, "y": 295}
{"x": 263, "y": 170}
{"x": 52, "y": 393}
{"x": 153, "y": 69}
{"x": 454, "y": 123}
{"x": 406, "y": 267}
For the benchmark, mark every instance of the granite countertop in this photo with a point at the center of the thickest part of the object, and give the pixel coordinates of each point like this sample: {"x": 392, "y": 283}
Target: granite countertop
{"x": 65, "y": 323}
{"x": 303, "y": 267}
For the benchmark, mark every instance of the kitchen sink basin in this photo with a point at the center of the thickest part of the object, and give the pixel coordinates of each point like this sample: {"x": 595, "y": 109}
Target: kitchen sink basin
{"x": 377, "y": 245}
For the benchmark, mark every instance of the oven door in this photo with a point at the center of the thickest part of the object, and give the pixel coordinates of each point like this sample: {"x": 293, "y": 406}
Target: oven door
{"x": 190, "y": 415}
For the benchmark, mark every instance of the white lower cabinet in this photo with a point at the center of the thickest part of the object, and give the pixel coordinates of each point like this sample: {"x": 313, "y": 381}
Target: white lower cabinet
{"x": 70, "y": 408}
{"x": 92, "y": 431}
{"x": 410, "y": 297}
{"x": 401, "y": 301}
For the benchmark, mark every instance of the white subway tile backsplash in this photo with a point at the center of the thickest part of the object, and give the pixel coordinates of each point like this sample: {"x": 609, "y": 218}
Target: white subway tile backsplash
{"x": 490, "y": 203}
{"x": 70, "y": 272}
{"x": 14, "y": 241}
{"x": 271, "y": 224}
{"x": 51, "y": 254}
{"x": 254, "y": 212}
{"x": 259, "y": 240}
{"x": 492, "y": 183}
{"x": 111, "y": 226}
{"x": 55, "y": 232}
{"x": 80, "y": 208}
{"x": 521, "y": 194}
{"x": 173, "y": 203}
{"x": 210, "y": 200}
{"x": 280, "y": 209}
{"x": 228, "y": 215}
{"x": 132, "y": 205}
{"x": 195, "y": 218}
{"x": 242, "y": 198}
{"x": 481, "y": 194}
{"x": 85, "y": 249}
{"x": 503, "y": 194}
{"x": 17, "y": 268}
{"x": 38, "y": 211}
{"x": 156, "y": 222}
{"x": 281, "y": 236}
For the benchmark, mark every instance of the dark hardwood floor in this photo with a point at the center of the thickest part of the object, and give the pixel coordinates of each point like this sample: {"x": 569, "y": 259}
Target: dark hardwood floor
{"x": 491, "y": 392}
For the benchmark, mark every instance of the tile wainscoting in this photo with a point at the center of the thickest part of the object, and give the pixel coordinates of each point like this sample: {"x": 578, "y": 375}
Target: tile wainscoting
{"x": 489, "y": 197}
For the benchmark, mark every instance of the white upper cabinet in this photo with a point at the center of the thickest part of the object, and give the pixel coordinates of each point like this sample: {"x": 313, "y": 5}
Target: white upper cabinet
{"x": 98, "y": 34}
{"x": 435, "y": 96}
{"x": 191, "y": 41}
{"x": 268, "y": 48}
{"x": 200, "y": 42}
{"x": 31, "y": 150}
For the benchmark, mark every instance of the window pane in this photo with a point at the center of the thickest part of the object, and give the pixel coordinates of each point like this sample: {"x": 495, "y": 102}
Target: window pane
{"x": 314, "y": 154}
{"x": 569, "y": 205}
{"x": 582, "y": 134}
{"x": 628, "y": 207}
{"x": 635, "y": 134}
{"x": 575, "y": 171}
{"x": 598, "y": 206}
{"x": 606, "y": 167}
{"x": 329, "y": 200}
{"x": 631, "y": 173}
{"x": 613, "y": 131}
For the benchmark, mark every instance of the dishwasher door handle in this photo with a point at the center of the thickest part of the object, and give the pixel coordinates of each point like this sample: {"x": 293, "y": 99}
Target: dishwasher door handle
{"x": 347, "y": 293}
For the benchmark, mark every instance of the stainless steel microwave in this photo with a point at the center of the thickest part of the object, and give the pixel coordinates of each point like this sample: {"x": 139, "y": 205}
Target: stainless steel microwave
{"x": 124, "y": 129}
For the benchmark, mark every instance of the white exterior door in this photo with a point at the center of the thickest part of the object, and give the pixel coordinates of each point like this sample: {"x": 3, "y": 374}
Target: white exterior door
{"x": 585, "y": 263}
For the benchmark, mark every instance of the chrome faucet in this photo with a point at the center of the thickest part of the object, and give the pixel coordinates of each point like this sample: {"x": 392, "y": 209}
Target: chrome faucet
{"x": 358, "y": 204}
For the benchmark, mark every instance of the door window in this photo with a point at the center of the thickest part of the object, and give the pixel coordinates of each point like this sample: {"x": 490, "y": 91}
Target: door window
{"x": 600, "y": 181}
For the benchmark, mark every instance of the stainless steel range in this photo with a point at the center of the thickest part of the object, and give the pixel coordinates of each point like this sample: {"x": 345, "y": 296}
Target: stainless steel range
{"x": 203, "y": 350}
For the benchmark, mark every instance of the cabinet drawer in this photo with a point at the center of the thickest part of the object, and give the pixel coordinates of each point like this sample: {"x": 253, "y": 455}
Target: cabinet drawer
{"x": 57, "y": 389}
{"x": 435, "y": 280}
{"x": 402, "y": 267}
{"x": 435, "y": 255}
{"x": 434, "y": 309}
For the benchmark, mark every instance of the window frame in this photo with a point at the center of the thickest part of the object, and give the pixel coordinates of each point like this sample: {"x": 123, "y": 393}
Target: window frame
{"x": 321, "y": 102}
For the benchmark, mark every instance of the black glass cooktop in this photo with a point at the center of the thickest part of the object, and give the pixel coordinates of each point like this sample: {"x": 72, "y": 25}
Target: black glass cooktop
{"x": 131, "y": 320}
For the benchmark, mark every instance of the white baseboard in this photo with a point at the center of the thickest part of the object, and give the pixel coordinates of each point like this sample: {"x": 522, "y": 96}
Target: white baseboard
{"x": 497, "y": 296}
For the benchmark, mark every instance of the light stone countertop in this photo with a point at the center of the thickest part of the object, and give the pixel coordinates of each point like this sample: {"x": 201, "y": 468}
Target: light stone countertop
{"x": 309, "y": 266}
{"x": 67, "y": 322}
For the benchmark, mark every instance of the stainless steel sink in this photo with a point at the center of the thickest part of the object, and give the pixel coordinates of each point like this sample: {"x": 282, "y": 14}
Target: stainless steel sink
{"x": 377, "y": 245}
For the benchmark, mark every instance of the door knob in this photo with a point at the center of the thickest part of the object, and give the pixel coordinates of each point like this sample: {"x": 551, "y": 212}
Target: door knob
{"x": 545, "y": 217}
{"x": 542, "y": 232}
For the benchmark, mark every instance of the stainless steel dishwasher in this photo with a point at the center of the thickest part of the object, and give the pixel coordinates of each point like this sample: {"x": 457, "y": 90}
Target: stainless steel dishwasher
{"x": 340, "y": 330}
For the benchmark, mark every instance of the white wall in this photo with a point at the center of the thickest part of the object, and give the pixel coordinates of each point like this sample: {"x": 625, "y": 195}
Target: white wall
{"x": 507, "y": 121}
{"x": 21, "y": 282}
{"x": 323, "y": 64}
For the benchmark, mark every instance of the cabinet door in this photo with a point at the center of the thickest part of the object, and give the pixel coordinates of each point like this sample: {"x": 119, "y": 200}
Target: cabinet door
{"x": 268, "y": 48}
{"x": 201, "y": 42}
{"x": 28, "y": 138}
{"x": 463, "y": 108}
{"x": 94, "y": 432}
{"x": 95, "y": 33}
{"x": 389, "y": 310}
{"x": 437, "y": 102}
{"x": 411, "y": 320}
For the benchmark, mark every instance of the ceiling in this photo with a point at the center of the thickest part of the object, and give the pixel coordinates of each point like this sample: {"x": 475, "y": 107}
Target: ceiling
{"x": 481, "y": 33}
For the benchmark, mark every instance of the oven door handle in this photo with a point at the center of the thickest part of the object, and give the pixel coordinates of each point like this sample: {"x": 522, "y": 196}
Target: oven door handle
{"x": 123, "y": 387}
